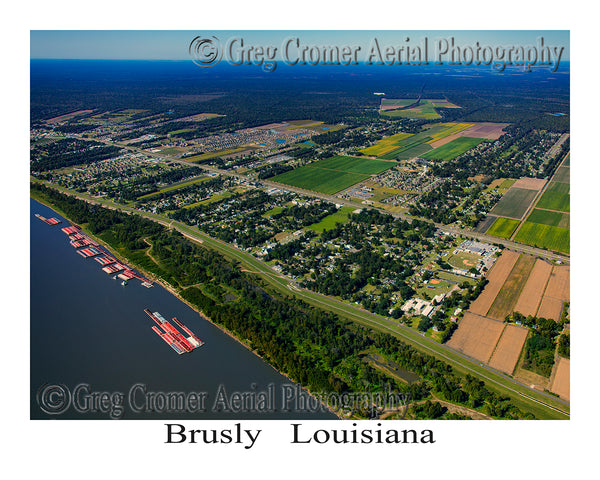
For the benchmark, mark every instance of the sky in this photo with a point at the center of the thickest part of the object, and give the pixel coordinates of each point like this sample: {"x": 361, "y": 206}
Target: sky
{"x": 173, "y": 45}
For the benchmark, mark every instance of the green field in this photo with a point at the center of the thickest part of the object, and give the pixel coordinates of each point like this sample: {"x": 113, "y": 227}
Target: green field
{"x": 333, "y": 174}
{"x": 424, "y": 110}
{"x": 353, "y": 165}
{"x": 503, "y": 227}
{"x": 514, "y": 203}
{"x": 319, "y": 180}
{"x": 385, "y": 145}
{"x": 544, "y": 236}
{"x": 547, "y": 217}
{"x": 453, "y": 149}
{"x": 173, "y": 187}
{"x": 206, "y": 156}
{"x": 562, "y": 175}
{"x": 556, "y": 197}
{"x": 341, "y": 216}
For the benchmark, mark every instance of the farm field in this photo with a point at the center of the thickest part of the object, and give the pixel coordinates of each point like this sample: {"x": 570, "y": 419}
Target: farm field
{"x": 544, "y": 236}
{"x": 554, "y": 199}
{"x": 410, "y": 146}
{"x": 333, "y": 174}
{"x": 385, "y": 145}
{"x": 549, "y": 217}
{"x": 453, "y": 149}
{"x": 353, "y": 165}
{"x": 503, "y": 227}
{"x": 509, "y": 347}
{"x": 511, "y": 290}
{"x": 496, "y": 278}
{"x": 562, "y": 175}
{"x": 514, "y": 203}
{"x": 477, "y": 336}
{"x": 209, "y": 155}
{"x": 562, "y": 379}
{"x": 319, "y": 180}
{"x": 533, "y": 290}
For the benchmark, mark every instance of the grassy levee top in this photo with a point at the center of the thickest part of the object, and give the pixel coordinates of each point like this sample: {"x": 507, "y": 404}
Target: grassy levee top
{"x": 292, "y": 317}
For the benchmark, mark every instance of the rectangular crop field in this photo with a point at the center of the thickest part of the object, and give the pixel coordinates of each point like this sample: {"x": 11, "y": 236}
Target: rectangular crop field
{"x": 503, "y": 227}
{"x": 556, "y": 197}
{"x": 453, "y": 149}
{"x": 562, "y": 379}
{"x": 514, "y": 203}
{"x": 496, "y": 278}
{"x": 385, "y": 145}
{"x": 511, "y": 290}
{"x": 550, "y": 307}
{"x": 353, "y": 165}
{"x": 507, "y": 352}
{"x": 558, "y": 284}
{"x": 544, "y": 236}
{"x": 477, "y": 336}
{"x": 320, "y": 180}
{"x": 548, "y": 217}
{"x": 562, "y": 175}
{"x": 533, "y": 290}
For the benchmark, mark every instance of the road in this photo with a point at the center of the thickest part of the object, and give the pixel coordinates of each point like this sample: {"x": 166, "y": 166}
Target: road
{"x": 471, "y": 234}
{"x": 285, "y": 284}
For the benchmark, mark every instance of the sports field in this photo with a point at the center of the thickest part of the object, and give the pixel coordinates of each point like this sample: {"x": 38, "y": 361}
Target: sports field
{"x": 503, "y": 227}
{"x": 453, "y": 149}
{"x": 544, "y": 236}
{"x": 333, "y": 174}
{"x": 514, "y": 203}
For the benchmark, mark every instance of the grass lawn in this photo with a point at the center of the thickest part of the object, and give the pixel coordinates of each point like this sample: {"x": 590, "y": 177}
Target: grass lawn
{"x": 329, "y": 222}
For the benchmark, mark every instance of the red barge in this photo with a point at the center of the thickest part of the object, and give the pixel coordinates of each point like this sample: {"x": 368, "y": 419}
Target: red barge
{"x": 173, "y": 337}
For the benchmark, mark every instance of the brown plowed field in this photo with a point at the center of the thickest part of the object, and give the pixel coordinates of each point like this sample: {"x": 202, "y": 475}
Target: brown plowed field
{"x": 476, "y": 336}
{"x": 550, "y": 308}
{"x": 509, "y": 348}
{"x": 496, "y": 278}
{"x": 530, "y": 183}
{"x": 562, "y": 379}
{"x": 558, "y": 284}
{"x": 534, "y": 288}
{"x": 491, "y": 131}
{"x": 512, "y": 288}
{"x": 445, "y": 140}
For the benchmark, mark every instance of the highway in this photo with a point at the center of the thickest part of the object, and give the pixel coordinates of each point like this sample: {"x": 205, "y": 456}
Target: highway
{"x": 285, "y": 284}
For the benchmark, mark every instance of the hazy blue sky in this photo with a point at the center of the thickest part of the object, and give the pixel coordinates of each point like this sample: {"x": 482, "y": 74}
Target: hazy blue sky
{"x": 173, "y": 45}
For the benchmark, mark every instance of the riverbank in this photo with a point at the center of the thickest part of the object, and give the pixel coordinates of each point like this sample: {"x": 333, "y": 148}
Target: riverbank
{"x": 173, "y": 290}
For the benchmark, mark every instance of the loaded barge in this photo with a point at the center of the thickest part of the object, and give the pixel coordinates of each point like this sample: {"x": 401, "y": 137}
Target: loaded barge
{"x": 49, "y": 221}
{"x": 172, "y": 336}
{"x": 88, "y": 248}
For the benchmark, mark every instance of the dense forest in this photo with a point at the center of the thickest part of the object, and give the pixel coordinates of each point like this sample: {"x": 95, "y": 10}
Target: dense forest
{"x": 314, "y": 347}
{"x": 248, "y": 97}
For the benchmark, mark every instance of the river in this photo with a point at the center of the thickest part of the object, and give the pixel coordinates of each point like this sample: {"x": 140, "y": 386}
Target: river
{"x": 94, "y": 354}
